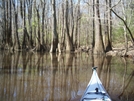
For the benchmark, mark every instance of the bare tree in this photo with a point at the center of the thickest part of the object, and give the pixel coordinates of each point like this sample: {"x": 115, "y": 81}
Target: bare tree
{"x": 23, "y": 15}
{"x": 69, "y": 43}
{"x": 29, "y": 7}
{"x": 28, "y": 24}
{"x": 77, "y": 28}
{"x": 124, "y": 22}
{"x": 43, "y": 2}
{"x": 16, "y": 35}
{"x": 108, "y": 29}
{"x": 98, "y": 46}
{"x": 6, "y": 24}
{"x": 54, "y": 43}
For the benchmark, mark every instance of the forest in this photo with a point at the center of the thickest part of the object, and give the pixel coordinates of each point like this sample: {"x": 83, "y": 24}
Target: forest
{"x": 66, "y": 25}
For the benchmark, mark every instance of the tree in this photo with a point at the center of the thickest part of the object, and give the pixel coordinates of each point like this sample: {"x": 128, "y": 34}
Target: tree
{"x": 93, "y": 43}
{"x": 6, "y": 23}
{"x": 28, "y": 24}
{"x": 108, "y": 29}
{"x": 69, "y": 43}
{"x": 43, "y": 17}
{"x": 16, "y": 35}
{"x": 77, "y": 28}
{"x": 54, "y": 44}
{"x": 29, "y": 7}
{"x": 98, "y": 46}
{"x": 124, "y": 22}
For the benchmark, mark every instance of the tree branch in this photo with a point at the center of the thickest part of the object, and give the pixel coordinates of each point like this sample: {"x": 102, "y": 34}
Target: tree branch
{"x": 124, "y": 24}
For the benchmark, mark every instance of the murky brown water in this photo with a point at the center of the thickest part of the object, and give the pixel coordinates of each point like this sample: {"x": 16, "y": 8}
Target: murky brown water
{"x": 62, "y": 77}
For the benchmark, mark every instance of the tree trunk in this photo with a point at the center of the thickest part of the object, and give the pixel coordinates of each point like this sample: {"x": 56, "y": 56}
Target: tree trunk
{"x": 125, "y": 30}
{"x": 108, "y": 29}
{"x": 61, "y": 45}
{"x": 10, "y": 26}
{"x": 93, "y": 41}
{"x": 69, "y": 44}
{"x": 43, "y": 25}
{"x": 24, "y": 25}
{"x": 71, "y": 21}
{"x": 54, "y": 44}
{"x": 77, "y": 28}
{"x": 99, "y": 46}
{"x": 29, "y": 5}
{"x": 17, "y": 42}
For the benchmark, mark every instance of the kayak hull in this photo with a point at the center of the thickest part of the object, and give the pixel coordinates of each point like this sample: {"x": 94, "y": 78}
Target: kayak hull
{"x": 95, "y": 90}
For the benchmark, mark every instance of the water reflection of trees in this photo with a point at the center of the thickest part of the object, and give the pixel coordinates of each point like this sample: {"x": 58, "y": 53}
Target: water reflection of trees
{"x": 104, "y": 68}
{"x": 59, "y": 77}
{"x": 120, "y": 90}
{"x": 127, "y": 88}
{"x": 34, "y": 76}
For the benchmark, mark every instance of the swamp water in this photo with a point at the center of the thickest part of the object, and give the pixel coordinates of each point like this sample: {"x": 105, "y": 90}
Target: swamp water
{"x": 62, "y": 77}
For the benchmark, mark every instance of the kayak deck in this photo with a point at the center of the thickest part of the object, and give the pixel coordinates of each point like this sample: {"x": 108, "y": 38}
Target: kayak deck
{"x": 95, "y": 90}
{"x": 96, "y": 97}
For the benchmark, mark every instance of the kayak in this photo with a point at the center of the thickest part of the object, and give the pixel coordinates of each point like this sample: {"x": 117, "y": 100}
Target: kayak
{"x": 95, "y": 91}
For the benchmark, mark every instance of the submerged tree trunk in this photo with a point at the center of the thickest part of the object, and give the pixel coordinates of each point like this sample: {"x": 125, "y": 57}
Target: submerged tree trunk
{"x": 108, "y": 30}
{"x": 71, "y": 21}
{"x": 125, "y": 30}
{"x": 69, "y": 44}
{"x": 43, "y": 18}
{"x": 30, "y": 6}
{"x": 16, "y": 36}
{"x": 77, "y": 28}
{"x": 38, "y": 30}
{"x": 93, "y": 41}
{"x": 98, "y": 46}
{"x": 6, "y": 24}
{"x": 23, "y": 15}
{"x": 10, "y": 26}
{"x": 54, "y": 44}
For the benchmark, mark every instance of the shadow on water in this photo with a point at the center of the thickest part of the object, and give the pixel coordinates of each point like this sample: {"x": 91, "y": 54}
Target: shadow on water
{"x": 27, "y": 76}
